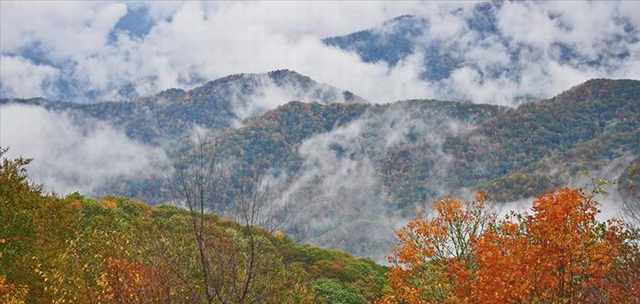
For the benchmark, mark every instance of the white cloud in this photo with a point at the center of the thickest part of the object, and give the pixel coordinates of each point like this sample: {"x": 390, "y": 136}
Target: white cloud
{"x": 205, "y": 40}
{"x": 208, "y": 40}
{"x": 222, "y": 41}
{"x": 64, "y": 28}
{"x": 19, "y": 77}
{"x": 74, "y": 155}
{"x": 528, "y": 23}
{"x": 524, "y": 59}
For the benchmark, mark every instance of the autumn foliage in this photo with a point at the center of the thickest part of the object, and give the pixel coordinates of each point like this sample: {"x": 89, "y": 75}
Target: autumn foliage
{"x": 10, "y": 293}
{"x": 124, "y": 281}
{"x": 559, "y": 253}
{"x": 115, "y": 250}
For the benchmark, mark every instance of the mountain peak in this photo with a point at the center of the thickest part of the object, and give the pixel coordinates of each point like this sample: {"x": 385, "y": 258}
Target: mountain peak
{"x": 403, "y": 19}
{"x": 276, "y": 76}
{"x": 282, "y": 73}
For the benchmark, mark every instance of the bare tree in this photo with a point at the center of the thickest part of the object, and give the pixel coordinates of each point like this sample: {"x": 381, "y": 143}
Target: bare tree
{"x": 234, "y": 270}
{"x": 631, "y": 211}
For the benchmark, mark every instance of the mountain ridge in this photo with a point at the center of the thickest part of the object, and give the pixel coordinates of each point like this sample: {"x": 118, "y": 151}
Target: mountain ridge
{"x": 216, "y": 104}
{"x": 502, "y": 150}
{"x": 351, "y": 166}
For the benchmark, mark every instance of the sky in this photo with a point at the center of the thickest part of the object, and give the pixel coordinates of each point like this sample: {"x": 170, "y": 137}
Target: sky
{"x": 98, "y": 50}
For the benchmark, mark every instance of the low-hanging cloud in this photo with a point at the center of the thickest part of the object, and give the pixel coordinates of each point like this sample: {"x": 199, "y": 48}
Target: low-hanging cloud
{"x": 533, "y": 49}
{"x": 72, "y": 154}
{"x": 341, "y": 182}
{"x": 257, "y": 93}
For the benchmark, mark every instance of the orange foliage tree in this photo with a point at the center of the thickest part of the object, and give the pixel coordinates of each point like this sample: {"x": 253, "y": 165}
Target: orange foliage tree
{"x": 558, "y": 254}
{"x": 428, "y": 244}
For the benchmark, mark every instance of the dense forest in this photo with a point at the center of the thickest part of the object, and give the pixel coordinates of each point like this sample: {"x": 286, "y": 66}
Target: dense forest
{"x": 245, "y": 210}
{"x": 76, "y": 249}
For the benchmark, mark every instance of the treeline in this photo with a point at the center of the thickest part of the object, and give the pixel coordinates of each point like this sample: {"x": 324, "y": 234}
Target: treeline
{"x": 115, "y": 250}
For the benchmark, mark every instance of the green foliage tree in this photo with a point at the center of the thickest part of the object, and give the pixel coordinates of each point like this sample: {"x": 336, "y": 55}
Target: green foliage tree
{"x": 333, "y": 292}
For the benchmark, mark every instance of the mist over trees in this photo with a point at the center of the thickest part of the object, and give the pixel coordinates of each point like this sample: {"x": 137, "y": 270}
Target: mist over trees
{"x": 115, "y": 250}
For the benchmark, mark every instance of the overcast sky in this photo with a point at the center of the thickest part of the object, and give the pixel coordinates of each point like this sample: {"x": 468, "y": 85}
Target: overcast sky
{"x": 92, "y": 49}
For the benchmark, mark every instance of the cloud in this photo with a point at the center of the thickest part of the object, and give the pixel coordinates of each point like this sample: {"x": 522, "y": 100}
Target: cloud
{"x": 348, "y": 202}
{"x": 248, "y": 45}
{"x": 206, "y": 41}
{"x": 65, "y": 29}
{"x": 19, "y": 77}
{"x": 188, "y": 42}
{"x": 532, "y": 49}
{"x": 252, "y": 94}
{"x": 344, "y": 205}
{"x": 74, "y": 154}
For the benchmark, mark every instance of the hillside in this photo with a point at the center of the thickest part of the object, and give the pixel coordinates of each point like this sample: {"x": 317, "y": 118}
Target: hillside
{"x": 586, "y": 127}
{"x": 470, "y": 40}
{"x": 117, "y": 250}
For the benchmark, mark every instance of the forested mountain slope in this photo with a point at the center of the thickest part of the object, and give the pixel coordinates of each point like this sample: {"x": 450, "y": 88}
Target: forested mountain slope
{"x": 173, "y": 113}
{"x": 346, "y": 169}
{"x": 390, "y": 159}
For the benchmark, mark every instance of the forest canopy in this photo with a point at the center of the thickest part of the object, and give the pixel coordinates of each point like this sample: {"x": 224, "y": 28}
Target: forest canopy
{"x": 76, "y": 249}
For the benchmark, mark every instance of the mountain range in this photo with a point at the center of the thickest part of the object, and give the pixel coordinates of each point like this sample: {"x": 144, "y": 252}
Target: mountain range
{"x": 354, "y": 170}
{"x": 320, "y": 152}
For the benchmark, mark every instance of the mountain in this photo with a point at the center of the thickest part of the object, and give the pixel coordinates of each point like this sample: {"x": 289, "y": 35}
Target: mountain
{"x": 349, "y": 172}
{"x": 486, "y": 141}
{"x": 354, "y": 170}
{"x": 584, "y": 128}
{"x": 391, "y": 42}
{"x": 400, "y": 37}
{"x": 476, "y": 42}
{"x": 173, "y": 113}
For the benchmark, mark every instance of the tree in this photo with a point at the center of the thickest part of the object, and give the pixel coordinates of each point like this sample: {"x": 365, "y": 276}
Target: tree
{"x": 235, "y": 267}
{"x": 427, "y": 245}
{"x": 117, "y": 250}
{"x": 124, "y": 281}
{"x": 559, "y": 253}
{"x": 12, "y": 294}
{"x": 33, "y": 231}
{"x": 332, "y": 292}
